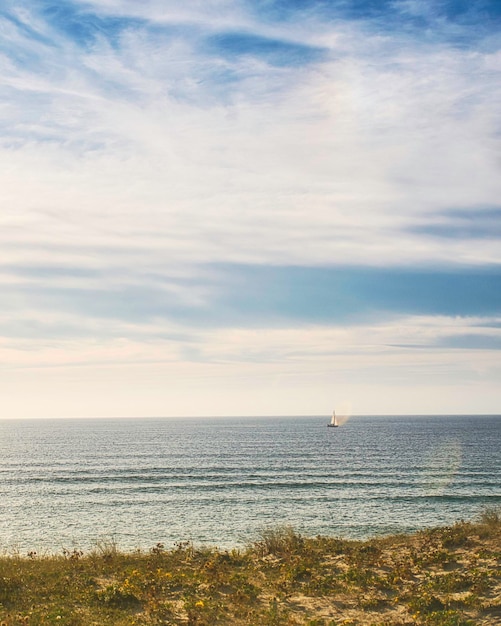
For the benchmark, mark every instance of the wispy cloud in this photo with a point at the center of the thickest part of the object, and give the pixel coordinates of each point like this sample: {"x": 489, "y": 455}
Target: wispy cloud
{"x": 481, "y": 223}
{"x": 189, "y": 170}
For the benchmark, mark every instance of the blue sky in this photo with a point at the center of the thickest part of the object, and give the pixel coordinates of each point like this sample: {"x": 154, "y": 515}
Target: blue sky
{"x": 243, "y": 208}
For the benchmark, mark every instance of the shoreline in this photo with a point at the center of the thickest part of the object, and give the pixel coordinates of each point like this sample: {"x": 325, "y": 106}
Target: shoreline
{"x": 51, "y": 549}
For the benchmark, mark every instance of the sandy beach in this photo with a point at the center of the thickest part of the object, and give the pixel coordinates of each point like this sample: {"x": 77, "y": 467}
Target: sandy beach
{"x": 449, "y": 576}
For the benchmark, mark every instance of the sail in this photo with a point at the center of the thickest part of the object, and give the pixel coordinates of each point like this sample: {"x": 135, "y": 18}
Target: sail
{"x": 333, "y": 421}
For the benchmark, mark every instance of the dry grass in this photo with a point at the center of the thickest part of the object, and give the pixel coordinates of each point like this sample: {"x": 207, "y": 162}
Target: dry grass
{"x": 441, "y": 577}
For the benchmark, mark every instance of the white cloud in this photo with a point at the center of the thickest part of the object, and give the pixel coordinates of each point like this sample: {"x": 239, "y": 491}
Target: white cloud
{"x": 333, "y": 163}
{"x": 240, "y": 371}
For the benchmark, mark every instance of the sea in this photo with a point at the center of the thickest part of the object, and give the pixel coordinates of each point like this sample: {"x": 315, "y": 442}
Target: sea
{"x": 132, "y": 483}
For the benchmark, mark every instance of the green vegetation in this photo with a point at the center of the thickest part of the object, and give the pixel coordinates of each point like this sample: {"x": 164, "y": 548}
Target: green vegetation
{"x": 441, "y": 577}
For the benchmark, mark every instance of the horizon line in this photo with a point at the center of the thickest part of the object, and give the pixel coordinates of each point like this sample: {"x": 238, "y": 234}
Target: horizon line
{"x": 208, "y": 417}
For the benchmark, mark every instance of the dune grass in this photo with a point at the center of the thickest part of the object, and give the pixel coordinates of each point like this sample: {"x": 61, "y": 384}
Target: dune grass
{"x": 448, "y": 576}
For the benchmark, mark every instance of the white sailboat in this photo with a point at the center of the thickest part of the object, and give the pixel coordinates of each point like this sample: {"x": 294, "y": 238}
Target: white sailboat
{"x": 333, "y": 422}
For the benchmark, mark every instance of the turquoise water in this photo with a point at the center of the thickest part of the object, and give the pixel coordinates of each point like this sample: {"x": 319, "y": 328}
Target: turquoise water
{"x": 72, "y": 483}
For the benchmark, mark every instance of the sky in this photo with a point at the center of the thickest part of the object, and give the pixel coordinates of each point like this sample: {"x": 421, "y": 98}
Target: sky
{"x": 249, "y": 207}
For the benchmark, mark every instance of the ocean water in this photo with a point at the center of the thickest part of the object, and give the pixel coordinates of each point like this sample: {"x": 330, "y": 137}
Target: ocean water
{"x": 75, "y": 483}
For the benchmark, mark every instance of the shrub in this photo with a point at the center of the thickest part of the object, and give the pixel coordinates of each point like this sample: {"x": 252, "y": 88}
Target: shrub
{"x": 491, "y": 517}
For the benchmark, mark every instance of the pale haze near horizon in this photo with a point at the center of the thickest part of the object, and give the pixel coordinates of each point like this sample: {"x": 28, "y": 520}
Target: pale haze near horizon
{"x": 242, "y": 208}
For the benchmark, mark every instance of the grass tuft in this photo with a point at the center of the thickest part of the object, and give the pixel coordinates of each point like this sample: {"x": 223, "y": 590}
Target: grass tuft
{"x": 281, "y": 541}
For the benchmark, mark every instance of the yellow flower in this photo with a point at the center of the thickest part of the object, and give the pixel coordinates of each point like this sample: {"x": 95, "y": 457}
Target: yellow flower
{"x": 199, "y": 603}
